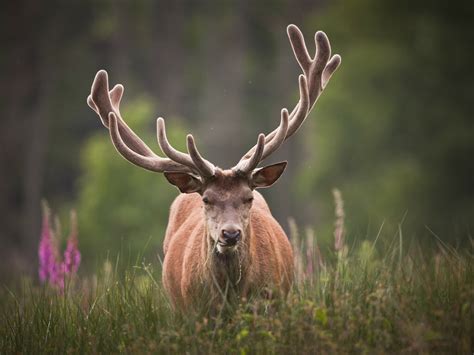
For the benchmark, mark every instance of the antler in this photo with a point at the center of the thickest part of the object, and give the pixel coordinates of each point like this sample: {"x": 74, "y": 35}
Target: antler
{"x": 316, "y": 74}
{"x": 107, "y": 105}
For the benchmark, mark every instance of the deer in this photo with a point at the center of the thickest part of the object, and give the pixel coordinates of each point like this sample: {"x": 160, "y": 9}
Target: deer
{"x": 221, "y": 235}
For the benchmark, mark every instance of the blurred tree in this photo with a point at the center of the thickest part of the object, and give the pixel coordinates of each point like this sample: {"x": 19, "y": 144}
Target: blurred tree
{"x": 38, "y": 46}
{"x": 395, "y": 132}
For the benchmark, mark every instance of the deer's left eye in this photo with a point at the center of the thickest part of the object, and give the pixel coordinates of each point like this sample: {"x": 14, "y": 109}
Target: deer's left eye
{"x": 248, "y": 200}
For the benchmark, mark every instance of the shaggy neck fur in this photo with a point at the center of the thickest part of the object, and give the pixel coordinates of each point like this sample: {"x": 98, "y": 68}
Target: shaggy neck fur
{"x": 226, "y": 273}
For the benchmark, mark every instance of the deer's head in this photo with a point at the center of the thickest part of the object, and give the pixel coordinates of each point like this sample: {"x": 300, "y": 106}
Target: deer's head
{"x": 227, "y": 195}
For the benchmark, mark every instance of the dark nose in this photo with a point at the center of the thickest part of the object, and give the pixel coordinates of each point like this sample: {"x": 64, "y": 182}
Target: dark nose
{"x": 231, "y": 237}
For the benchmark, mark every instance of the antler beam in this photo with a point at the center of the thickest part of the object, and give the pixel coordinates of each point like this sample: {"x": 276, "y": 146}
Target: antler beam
{"x": 316, "y": 74}
{"x": 107, "y": 105}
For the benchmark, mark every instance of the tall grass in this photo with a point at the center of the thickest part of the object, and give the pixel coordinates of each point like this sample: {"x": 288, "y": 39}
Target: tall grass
{"x": 355, "y": 299}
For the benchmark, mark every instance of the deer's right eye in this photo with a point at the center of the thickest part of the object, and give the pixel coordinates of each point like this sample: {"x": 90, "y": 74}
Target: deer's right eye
{"x": 205, "y": 200}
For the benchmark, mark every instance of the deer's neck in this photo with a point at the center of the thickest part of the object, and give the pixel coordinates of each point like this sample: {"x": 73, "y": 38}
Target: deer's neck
{"x": 230, "y": 269}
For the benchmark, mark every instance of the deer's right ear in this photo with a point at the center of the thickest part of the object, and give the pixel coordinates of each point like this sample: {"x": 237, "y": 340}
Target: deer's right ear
{"x": 186, "y": 183}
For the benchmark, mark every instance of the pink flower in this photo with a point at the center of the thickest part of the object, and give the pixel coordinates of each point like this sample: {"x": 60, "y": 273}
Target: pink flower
{"x": 46, "y": 252}
{"x": 72, "y": 256}
{"x": 51, "y": 268}
{"x": 56, "y": 276}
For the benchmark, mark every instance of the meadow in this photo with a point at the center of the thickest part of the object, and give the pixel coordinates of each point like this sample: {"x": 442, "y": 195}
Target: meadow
{"x": 361, "y": 298}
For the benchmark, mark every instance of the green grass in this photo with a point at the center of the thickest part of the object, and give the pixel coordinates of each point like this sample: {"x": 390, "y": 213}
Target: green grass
{"x": 353, "y": 301}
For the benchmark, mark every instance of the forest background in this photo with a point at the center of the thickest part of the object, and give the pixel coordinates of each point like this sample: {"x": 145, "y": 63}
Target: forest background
{"x": 393, "y": 131}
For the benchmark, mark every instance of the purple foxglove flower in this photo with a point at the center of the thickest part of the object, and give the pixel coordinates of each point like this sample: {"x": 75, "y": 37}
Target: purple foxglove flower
{"x": 72, "y": 256}
{"x": 46, "y": 253}
{"x": 50, "y": 266}
{"x": 56, "y": 277}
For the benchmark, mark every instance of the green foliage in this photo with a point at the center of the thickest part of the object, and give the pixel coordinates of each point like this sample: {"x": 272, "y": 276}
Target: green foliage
{"x": 371, "y": 304}
{"x": 121, "y": 207}
{"x": 392, "y": 130}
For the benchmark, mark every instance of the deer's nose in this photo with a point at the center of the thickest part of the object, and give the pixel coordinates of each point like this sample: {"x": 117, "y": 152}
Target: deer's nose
{"x": 231, "y": 236}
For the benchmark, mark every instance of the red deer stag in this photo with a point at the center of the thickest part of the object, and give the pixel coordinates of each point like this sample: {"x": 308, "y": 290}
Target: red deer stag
{"x": 221, "y": 234}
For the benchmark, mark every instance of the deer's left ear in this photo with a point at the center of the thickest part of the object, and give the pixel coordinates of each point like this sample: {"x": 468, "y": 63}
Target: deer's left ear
{"x": 266, "y": 176}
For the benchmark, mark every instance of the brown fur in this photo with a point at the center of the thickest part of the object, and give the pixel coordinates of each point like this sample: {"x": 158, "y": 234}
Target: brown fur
{"x": 193, "y": 271}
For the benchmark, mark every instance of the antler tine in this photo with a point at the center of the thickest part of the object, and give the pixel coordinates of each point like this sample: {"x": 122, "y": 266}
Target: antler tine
{"x": 166, "y": 147}
{"x": 100, "y": 96}
{"x": 323, "y": 52}
{"x": 317, "y": 72}
{"x": 299, "y": 48}
{"x": 205, "y": 168}
{"x": 193, "y": 160}
{"x": 152, "y": 163}
{"x": 331, "y": 67}
{"x": 279, "y": 136}
{"x": 300, "y": 112}
{"x": 115, "y": 97}
{"x": 246, "y": 166}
